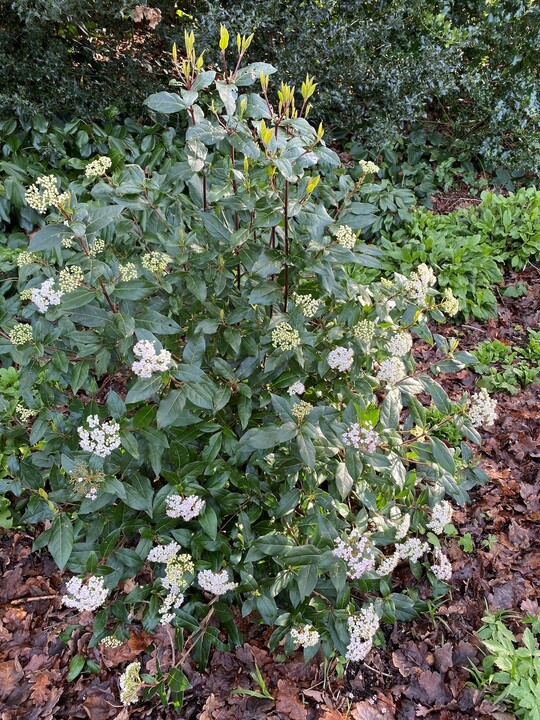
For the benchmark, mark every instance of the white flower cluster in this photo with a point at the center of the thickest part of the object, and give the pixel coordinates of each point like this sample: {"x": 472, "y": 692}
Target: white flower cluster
{"x": 150, "y": 361}
{"x": 364, "y": 330}
{"x": 128, "y": 272}
{"x": 130, "y": 683}
{"x": 24, "y": 413}
{"x": 402, "y": 528}
{"x": 216, "y": 583}
{"x": 178, "y": 566}
{"x": 110, "y": 641}
{"x": 441, "y": 515}
{"x": 44, "y": 296}
{"x": 70, "y": 278}
{"x": 362, "y": 630}
{"x": 285, "y": 337}
{"x": 357, "y": 551}
{"x": 163, "y": 553}
{"x": 186, "y": 508}
{"x": 101, "y": 439}
{"x": 412, "y": 549}
{"x": 345, "y": 237}
{"x": 361, "y": 438}
{"x": 391, "y": 371}
{"x": 67, "y": 242}
{"x": 89, "y": 596}
{"x": 482, "y": 409}
{"x": 341, "y": 359}
{"x": 98, "y": 167}
{"x": 368, "y": 167}
{"x": 301, "y": 410}
{"x": 388, "y": 565}
{"x": 305, "y": 636}
{"x": 419, "y": 284}
{"x": 399, "y": 344}
{"x": 26, "y": 258}
{"x": 98, "y": 246}
{"x": 44, "y": 194}
{"x": 21, "y": 333}
{"x": 156, "y": 262}
{"x": 450, "y": 303}
{"x": 441, "y": 568}
{"x": 297, "y": 388}
{"x": 307, "y": 304}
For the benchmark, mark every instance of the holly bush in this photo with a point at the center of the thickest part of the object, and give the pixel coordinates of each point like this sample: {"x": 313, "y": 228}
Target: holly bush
{"x": 205, "y": 403}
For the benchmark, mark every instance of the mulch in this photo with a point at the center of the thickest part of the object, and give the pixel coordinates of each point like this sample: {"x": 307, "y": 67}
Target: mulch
{"x": 422, "y": 672}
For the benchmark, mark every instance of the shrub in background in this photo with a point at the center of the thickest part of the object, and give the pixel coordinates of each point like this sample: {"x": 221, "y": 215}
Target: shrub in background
{"x": 207, "y": 403}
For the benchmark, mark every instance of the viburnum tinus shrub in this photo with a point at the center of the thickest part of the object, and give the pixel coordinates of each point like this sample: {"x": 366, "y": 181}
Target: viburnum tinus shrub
{"x": 208, "y": 406}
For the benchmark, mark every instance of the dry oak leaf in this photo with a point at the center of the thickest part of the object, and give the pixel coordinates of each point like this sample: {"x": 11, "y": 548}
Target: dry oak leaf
{"x": 381, "y": 709}
{"x": 211, "y": 704}
{"x": 10, "y": 674}
{"x": 288, "y": 703}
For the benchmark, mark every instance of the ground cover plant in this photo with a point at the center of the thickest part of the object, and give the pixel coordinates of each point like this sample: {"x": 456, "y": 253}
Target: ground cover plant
{"x": 205, "y": 401}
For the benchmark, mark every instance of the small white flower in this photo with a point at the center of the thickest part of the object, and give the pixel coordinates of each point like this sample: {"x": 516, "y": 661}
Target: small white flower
{"x": 357, "y": 551}
{"x": 391, "y": 371}
{"x": 442, "y": 569}
{"x": 297, "y": 388}
{"x": 419, "y": 284}
{"x": 399, "y": 344}
{"x": 102, "y": 437}
{"x": 441, "y": 516}
{"x": 345, "y": 237}
{"x": 368, "y": 167}
{"x": 361, "y": 438}
{"x": 403, "y": 527}
{"x": 362, "y": 630}
{"x": 89, "y": 596}
{"x": 285, "y": 337}
{"x": 163, "y": 553}
{"x": 412, "y": 549}
{"x": 216, "y": 583}
{"x": 130, "y": 683}
{"x": 98, "y": 167}
{"x": 150, "y": 361}
{"x": 341, "y": 359}
{"x": 482, "y": 409}
{"x": 186, "y": 508}
{"x": 45, "y": 295}
{"x": 307, "y": 304}
{"x": 305, "y": 636}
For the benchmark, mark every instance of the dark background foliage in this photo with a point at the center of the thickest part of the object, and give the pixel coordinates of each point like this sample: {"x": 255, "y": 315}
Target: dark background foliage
{"x": 466, "y": 68}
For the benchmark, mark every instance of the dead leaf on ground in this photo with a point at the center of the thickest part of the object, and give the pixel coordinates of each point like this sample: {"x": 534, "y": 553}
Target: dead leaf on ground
{"x": 288, "y": 703}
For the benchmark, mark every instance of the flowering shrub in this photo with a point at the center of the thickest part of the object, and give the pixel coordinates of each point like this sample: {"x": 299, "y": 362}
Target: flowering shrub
{"x": 167, "y": 442}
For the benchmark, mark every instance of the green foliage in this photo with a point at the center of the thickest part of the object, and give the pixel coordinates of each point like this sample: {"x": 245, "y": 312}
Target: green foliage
{"x": 210, "y": 259}
{"x": 470, "y": 247}
{"x": 508, "y": 367}
{"x": 511, "y": 666}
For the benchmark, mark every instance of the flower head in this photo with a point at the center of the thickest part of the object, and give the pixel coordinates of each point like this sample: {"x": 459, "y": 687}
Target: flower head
{"x": 412, "y": 549}
{"x": 21, "y": 334}
{"x": 44, "y": 194}
{"x": 357, "y": 551}
{"x": 364, "y": 330}
{"x": 128, "y": 272}
{"x": 85, "y": 596}
{"x": 156, "y": 262}
{"x": 419, "y": 283}
{"x": 100, "y": 438}
{"x": 482, "y": 409}
{"x": 441, "y": 515}
{"x": 285, "y": 337}
{"x": 163, "y": 553}
{"x": 297, "y": 388}
{"x": 301, "y": 410}
{"x": 70, "y": 278}
{"x": 450, "y": 304}
{"x": 361, "y": 438}
{"x": 186, "y": 508}
{"x": 26, "y": 258}
{"x": 391, "y": 371}
{"x": 362, "y": 630}
{"x": 216, "y": 583}
{"x": 150, "y": 361}
{"x": 305, "y": 636}
{"x": 345, "y": 237}
{"x": 399, "y": 344}
{"x": 307, "y": 304}
{"x": 341, "y": 359}
{"x": 368, "y": 167}
{"x": 441, "y": 568}
{"x": 44, "y": 296}
{"x": 98, "y": 167}
{"x": 130, "y": 683}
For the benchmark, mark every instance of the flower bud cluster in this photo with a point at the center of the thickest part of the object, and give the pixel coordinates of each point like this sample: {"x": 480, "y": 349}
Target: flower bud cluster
{"x": 44, "y": 296}
{"x": 98, "y": 246}
{"x": 368, "y": 167}
{"x": 67, "y": 242}
{"x": 306, "y": 636}
{"x": 362, "y": 630}
{"x": 163, "y": 553}
{"x": 85, "y": 596}
{"x": 441, "y": 515}
{"x": 110, "y": 641}
{"x": 301, "y": 410}
{"x": 341, "y": 359}
{"x": 26, "y": 258}
{"x": 24, "y": 413}
{"x": 20, "y": 334}
{"x": 441, "y": 568}
{"x": 101, "y": 438}
{"x": 150, "y": 362}
{"x": 450, "y": 304}
{"x": 297, "y": 388}
{"x": 70, "y": 278}
{"x": 412, "y": 549}
{"x": 364, "y": 330}
{"x": 130, "y": 683}
{"x": 216, "y": 583}
{"x": 361, "y": 438}
{"x": 44, "y": 194}
{"x": 345, "y": 237}
{"x": 307, "y": 304}
{"x": 399, "y": 344}
{"x": 419, "y": 284}
{"x": 98, "y": 167}
{"x": 186, "y": 508}
{"x": 128, "y": 272}
{"x": 391, "y": 371}
{"x": 357, "y": 551}
{"x": 156, "y": 262}
{"x": 285, "y": 337}
{"x": 482, "y": 409}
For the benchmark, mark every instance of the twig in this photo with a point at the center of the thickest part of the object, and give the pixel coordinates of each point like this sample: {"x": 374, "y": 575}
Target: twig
{"x": 35, "y": 598}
